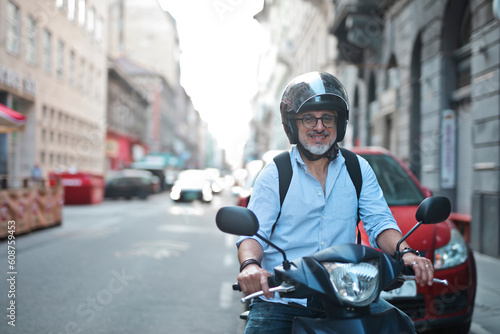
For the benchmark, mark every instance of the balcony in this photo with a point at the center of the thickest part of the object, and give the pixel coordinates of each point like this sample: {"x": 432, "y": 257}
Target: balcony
{"x": 357, "y": 25}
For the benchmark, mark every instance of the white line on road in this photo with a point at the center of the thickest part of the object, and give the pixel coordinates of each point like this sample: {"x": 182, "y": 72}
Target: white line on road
{"x": 225, "y": 295}
{"x": 229, "y": 260}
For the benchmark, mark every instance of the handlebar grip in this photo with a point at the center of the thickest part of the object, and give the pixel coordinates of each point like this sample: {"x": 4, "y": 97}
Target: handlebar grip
{"x": 271, "y": 280}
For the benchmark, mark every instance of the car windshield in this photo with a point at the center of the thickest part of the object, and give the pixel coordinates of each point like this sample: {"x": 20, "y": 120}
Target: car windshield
{"x": 397, "y": 185}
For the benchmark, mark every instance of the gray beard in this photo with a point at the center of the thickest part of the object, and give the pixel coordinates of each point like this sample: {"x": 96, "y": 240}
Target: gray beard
{"x": 316, "y": 149}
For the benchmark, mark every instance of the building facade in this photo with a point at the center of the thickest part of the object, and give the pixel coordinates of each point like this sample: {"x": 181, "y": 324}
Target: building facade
{"x": 144, "y": 39}
{"x": 53, "y": 69}
{"x": 423, "y": 81}
{"x": 426, "y": 87}
{"x": 298, "y": 42}
{"x": 127, "y": 119}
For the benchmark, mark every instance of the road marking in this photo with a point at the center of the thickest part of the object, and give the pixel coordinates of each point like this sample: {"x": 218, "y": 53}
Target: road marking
{"x": 185, "y": 229}
{"x": 229, "y": 260}
{"x": 230, "y": 241}
{"x": 225, "y": 295}
{"x": 156, "y": 250}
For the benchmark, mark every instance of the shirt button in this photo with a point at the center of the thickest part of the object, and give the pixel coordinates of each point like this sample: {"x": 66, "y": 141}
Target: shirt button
{"x": 319, "y": 194}
{"x": 322, "y": 244}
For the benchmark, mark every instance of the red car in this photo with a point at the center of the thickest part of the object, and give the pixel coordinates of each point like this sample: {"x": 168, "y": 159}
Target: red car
{"x": 444, "y": 309}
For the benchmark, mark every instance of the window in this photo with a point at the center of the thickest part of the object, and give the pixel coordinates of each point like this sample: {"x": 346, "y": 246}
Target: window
{"x": 31, "y": 40}
{"x": 97, "y": 82}
{"x": 71, "y": 9}
{"x": 60, "y": 60}
{"x": 98, "y": 30}
{"x": 90, "y": 80}
{"x": 91, "y": 20}
{"x": 81, "y": 13}
{"x": 71, "y": 74}
{"x": 81, "y": 81}
{"x": 46, "y": 51}
{"x": 13, "y": 28}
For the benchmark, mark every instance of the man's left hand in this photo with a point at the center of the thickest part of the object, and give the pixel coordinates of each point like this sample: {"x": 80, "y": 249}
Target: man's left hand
{"x": 424, "y": 271}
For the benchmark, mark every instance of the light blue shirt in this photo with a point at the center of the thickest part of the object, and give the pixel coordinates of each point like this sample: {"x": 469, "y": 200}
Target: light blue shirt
{"x": 312, "y": 220}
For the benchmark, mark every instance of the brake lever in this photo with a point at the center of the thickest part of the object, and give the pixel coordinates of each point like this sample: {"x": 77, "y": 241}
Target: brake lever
{"x": 435, "y": 280}
{"x": 280, "y": 288}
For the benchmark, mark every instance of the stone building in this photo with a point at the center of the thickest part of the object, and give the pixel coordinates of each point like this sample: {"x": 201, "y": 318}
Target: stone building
{"x": 127, "y": 120}
{"x": 425, "y": 86}
{"x": 423, "y": 81}
{"x": 144, "y": 40}
{"x": 53, "y": 69}
{"x": 299, "y": 42}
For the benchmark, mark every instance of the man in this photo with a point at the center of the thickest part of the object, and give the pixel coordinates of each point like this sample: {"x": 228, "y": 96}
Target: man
{"x": 321, "y": 205}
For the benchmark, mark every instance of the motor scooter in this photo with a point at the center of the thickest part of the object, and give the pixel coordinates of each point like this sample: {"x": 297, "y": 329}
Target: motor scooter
{"x": 347, "y": 278}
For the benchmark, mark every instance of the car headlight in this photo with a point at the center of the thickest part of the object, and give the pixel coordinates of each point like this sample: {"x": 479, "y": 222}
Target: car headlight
{"x": 175, "y": 193}
{"x": 453, "y": 253}
{"x": 354, "y": 284}
{"x": 207, "y": 193}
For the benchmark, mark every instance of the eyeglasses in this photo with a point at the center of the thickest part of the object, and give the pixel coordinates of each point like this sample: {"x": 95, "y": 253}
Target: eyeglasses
{"x": 310, "y": 121}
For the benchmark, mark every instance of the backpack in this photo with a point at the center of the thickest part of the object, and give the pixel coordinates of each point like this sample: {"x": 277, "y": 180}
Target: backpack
{"x": 284, "y": 165}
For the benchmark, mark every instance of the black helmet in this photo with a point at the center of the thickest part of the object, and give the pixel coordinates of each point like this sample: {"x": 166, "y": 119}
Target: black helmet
{"x": 314, "y": 91}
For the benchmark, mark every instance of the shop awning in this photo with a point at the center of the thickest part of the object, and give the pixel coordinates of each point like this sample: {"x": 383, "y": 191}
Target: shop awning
{"x": 10, "y": 120}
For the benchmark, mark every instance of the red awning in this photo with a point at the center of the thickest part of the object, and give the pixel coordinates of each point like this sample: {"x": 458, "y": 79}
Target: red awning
{"x": 10, "y": 119}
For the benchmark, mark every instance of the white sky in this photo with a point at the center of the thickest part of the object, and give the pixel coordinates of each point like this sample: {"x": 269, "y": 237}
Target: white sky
{"x": 220, "y": 45}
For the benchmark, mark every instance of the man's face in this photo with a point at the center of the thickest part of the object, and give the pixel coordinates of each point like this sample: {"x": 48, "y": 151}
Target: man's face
{"x": 317, "y": 135}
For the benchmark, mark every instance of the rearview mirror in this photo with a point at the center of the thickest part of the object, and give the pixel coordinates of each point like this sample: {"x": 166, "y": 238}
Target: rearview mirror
{"x": 433, "y": 210}
{"x": 237, "y": 220}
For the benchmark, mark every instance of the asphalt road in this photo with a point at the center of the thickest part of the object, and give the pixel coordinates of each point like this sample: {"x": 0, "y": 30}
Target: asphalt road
{"x": 134, "y": 266}
{"x": 149, "y": 266}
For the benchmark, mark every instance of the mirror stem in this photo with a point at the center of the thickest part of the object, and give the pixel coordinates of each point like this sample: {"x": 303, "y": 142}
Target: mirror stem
{"x": 398, "y": 251}
{"x": 286, "y": 264}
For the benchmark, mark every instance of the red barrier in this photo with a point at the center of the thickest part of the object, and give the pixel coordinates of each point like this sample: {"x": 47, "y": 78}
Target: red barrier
{"x": 80, "y": 188}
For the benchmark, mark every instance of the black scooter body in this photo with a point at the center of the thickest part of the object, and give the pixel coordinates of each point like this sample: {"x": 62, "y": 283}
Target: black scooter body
{"x": 377, "y": 323}
{"x": 304, "y": 274}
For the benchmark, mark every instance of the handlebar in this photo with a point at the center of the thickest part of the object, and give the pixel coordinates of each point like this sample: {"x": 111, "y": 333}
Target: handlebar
{"x": 271, "y": 281}
{"x": 274, "y": 286}
{"x": 280, "y": 288}
{"x": 435, "y": 280}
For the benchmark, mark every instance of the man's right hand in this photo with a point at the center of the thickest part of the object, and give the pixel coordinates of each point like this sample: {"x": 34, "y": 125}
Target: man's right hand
{"x": 253, "y": 278}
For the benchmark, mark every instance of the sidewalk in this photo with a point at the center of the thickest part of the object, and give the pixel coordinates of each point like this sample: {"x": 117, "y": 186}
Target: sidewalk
{"x": 486, "y": 317}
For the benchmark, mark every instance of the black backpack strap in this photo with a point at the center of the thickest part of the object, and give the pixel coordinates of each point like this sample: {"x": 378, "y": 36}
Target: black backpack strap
{"x": 354, "y": 170}
{"x": 284, "y": 165}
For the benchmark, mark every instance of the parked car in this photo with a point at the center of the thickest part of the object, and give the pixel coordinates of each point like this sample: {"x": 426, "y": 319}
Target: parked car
{"x": 445, "y": 309}
{"x": 192, "y": 184}
{"x": 131, "y": 183}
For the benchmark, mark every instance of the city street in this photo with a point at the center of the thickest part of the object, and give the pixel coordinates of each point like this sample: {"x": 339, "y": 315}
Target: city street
{"x": 151, "y": 266}
{"x": 126, "y": 267}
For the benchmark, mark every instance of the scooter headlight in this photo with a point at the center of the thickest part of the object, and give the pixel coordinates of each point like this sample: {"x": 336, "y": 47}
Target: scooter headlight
{"x": 354, "y": 284}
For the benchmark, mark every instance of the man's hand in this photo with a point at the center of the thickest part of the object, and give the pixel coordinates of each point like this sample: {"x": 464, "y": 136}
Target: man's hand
{"x": 424, "y": 271}
{"x": 253, "y": 278}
